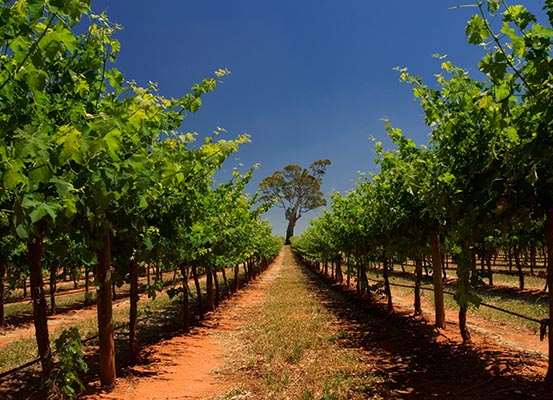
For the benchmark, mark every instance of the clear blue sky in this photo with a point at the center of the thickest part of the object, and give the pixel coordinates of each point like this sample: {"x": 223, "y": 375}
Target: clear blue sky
{"x": 311, "y": 79}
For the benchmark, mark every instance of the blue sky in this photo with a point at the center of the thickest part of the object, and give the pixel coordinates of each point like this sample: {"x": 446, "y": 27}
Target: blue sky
{"x": 310, "y": 79}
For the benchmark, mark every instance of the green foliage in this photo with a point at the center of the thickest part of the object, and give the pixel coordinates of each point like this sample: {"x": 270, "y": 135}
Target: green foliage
{"x": 486, "y": 171}
{"x": 296, "y": 190}
{"x": 85, "y": 154}
{"x": 65, "y": 382}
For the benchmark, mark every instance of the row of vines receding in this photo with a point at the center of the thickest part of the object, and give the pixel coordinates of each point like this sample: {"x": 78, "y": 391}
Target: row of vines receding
{"x": 96, "y": 178}
{"x": 481, "y": 187}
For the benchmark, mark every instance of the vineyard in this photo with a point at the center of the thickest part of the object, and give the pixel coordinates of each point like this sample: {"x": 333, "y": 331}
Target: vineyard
{"x": 118, "y": 230}
{"x": 479, "y": 190}
{"x": 99, "y": 185}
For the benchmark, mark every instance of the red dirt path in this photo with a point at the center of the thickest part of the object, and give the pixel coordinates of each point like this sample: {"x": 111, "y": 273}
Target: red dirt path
{"x": 185, "y": 367}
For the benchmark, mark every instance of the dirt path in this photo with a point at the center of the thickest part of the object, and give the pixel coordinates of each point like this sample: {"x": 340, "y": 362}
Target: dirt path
{"x": 185, "y": 367}
{"x": 414, "y": 360}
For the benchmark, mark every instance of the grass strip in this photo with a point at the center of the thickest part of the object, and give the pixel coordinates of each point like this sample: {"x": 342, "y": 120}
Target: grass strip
{"x": 24, "y": 350}
{"x": 294, "y": 347}
{"x": 529, "y": 305}
{"x": 21, "y": 351}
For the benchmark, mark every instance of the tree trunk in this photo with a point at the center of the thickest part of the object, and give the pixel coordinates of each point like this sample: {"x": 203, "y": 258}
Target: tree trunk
{"x": 437, "y": 278}
{"x": 217, "y": 288}
{"x": 246, "y": 271}
{"x": 210, "y": 300}
{"x": 348, "y": 273}
{"x": 185, "y": 298}
{"x": 53, "y": 271}
{"x": 40, "y": 310}
{"x": 425, "y": 266}
{"x": 387, "y": 288}
{"x": 159, "y": 273}
{"x": 532, "y": 259}
{"x": 358, "y": 280}
{"x": 364, "y": 281}
{"x": 519, "y": 268}
{"x": 86, "y": 286}
{"x": 198, "y": 291}
{"x": 465, "y": 333}
{"x": 490, "y": 271}
{"x": 237, "y": 277}
{"x": 251, "y": 268}
{"x": 339, "y": 275}
{"x": 105, "y": 314}
{"x": 418, "y": 277}
{"x": 2, "y": 289}
{"x": 225, "y": 280}
{"x": 464, "y": 267}
{"x": 133, "y": 314}
{"x": 290, "y": 228}
{"x": 549, "y": 243}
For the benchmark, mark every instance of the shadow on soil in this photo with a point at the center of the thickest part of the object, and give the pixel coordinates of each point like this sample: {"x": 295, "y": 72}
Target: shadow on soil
{"x": 414, "y": 363}
{"x": 26, "y": 384}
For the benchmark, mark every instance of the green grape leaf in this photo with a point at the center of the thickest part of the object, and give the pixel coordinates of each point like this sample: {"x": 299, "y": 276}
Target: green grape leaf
{"x": 14, "y": 175}
{"x": 476, "y": 30}
{"x": 36, "y": 8}
{"x": 40, "y": 174}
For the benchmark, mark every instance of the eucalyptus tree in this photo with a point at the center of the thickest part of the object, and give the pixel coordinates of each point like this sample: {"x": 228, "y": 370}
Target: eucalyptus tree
{"x": 296, "y": 190}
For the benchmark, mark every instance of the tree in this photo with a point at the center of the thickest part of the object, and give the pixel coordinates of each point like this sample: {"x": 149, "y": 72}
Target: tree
{"x": 296, "y": 190}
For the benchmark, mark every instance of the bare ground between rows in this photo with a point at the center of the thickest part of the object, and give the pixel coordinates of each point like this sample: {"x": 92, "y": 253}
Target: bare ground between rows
{"x": 415, "y": 360}
{"x": 185, "y": 366}
{"x": 418, "y": 361}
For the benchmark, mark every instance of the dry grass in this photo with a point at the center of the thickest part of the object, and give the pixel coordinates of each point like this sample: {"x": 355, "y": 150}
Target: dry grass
{"x": 293, "y": 348}
{"x": 23, "y": 350}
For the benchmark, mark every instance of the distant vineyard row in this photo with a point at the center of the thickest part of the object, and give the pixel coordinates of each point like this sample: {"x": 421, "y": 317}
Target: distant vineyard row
{"x": 484, "y": 181}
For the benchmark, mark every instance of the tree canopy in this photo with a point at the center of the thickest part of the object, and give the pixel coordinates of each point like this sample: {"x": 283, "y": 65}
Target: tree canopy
{"x": 296, "y": 190}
